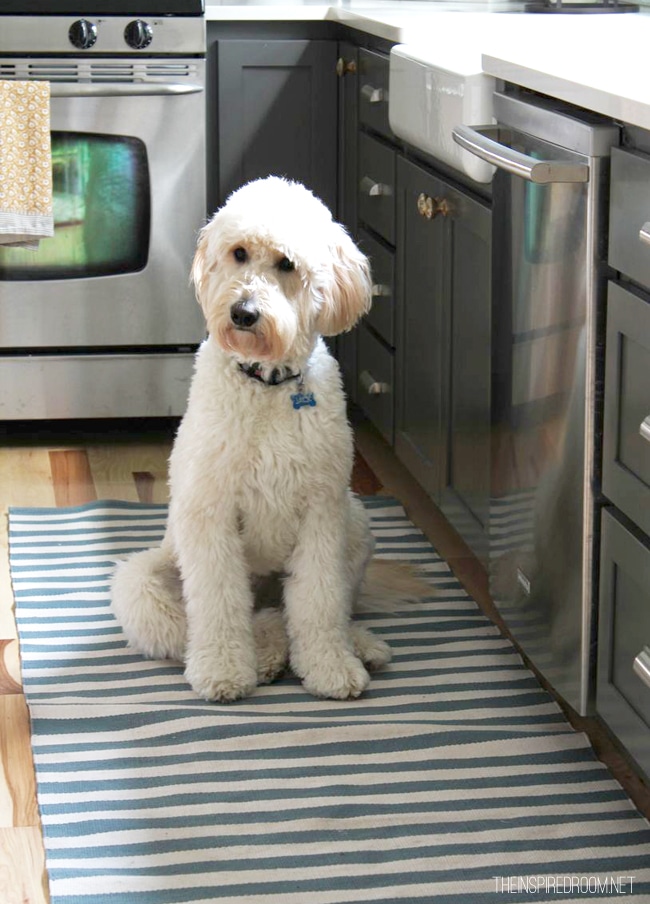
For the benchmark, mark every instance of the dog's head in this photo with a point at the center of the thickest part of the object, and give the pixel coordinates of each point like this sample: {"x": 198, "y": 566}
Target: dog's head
{"x": 272, "y": 270}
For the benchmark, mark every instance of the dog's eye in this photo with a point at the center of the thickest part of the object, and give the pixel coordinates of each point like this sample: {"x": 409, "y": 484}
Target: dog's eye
{"x": 240, "y": 255}
{"x": 286, "y": 265}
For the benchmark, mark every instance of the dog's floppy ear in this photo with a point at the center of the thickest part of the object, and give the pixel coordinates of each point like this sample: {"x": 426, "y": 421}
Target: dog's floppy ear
{"x": 347, "y": 294}
{"x": 198, "y": 271}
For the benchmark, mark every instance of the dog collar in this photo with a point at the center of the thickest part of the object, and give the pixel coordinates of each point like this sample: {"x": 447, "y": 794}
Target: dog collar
{"x": 299, "y": 399}
{"x": 275, "y": 378}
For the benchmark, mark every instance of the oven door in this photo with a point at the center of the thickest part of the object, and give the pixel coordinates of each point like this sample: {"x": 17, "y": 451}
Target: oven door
{"x": 129, "y": 198}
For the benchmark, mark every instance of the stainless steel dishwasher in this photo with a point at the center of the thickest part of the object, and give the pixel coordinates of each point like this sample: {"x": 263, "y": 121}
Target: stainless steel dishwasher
{"x": 549, "y": 219}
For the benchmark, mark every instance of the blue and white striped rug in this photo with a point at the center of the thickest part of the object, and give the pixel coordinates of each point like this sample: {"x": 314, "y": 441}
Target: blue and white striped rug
{"x": 455, "y": 778}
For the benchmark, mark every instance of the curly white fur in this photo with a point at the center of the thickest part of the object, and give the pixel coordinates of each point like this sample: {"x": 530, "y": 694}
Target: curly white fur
{"x": 257, "y": 486}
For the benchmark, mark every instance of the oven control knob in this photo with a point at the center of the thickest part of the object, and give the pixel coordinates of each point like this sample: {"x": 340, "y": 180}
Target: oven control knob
{"x": 138, "y": 34}
{"x": 82, "y": 34}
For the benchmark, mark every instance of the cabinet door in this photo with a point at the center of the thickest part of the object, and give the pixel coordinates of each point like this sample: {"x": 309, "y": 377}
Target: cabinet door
{"x": 626, "y": 440}
{"x": 277, "y": 114}
{"x": 422, "y": 329}
{"x": 466, "y": 493}
{"x": 623, "y": 683}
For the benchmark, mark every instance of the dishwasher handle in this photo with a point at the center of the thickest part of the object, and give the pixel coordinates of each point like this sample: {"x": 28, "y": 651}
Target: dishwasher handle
{"x": 478, "y": 141}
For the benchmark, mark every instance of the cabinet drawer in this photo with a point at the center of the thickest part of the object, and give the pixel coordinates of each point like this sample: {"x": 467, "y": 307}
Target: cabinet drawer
{"x": 377, "y": 186}
{"x": 623, "y": 694}
{"x": 374, "y": 71}
{"x": 629, "y": 215}
{"x": 626, "y": 441}
{"x": 382, "y": 312}
{"x": 375, "y": 389}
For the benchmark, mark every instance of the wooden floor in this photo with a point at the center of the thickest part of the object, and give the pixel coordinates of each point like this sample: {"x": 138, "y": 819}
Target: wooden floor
{"x": 71, "y": 465}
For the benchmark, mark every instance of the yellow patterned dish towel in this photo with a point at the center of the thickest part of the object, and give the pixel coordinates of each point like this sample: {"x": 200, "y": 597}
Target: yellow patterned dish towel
{"x": 25, "y": 163}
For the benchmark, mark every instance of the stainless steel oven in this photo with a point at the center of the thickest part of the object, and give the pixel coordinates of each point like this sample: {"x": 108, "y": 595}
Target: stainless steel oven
{"x": 100, "y": 321}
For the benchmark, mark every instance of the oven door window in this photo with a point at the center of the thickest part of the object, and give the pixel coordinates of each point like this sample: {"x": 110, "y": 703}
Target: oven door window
{"x": 102, "y": 211}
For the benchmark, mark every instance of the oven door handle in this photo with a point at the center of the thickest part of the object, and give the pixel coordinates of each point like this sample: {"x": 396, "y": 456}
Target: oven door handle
{"x": 478, "y": 141}
{"x": 120, "y": 89}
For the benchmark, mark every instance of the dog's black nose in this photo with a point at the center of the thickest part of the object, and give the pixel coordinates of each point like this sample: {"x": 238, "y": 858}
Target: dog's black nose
{"x": 244, "y": 314}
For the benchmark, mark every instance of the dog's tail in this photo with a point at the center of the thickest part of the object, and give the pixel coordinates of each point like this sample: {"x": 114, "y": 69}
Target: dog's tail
{"x": 389, "y": 585}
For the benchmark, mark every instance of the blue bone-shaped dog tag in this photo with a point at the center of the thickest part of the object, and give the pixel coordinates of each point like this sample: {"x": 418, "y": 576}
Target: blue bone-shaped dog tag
{"x": 301, "y": 399}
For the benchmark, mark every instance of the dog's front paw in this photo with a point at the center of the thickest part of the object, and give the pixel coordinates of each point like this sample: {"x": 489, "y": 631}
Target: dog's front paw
{"x": 371, "y": 650}
{"x": 339, "y": 675}
{"x": 221, "y": 682}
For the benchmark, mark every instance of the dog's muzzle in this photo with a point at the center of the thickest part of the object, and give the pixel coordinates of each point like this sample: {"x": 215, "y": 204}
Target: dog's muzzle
{"x": 244, "y": 314}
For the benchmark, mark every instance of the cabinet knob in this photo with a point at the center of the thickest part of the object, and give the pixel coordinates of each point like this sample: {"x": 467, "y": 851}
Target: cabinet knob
{"x": 374, "y": 95}
{"x": 641, "y": 665}
{"x": 644, "y": 234}
{"x": 345, "y": 67}
{"x": 372, "y": 386}
{"x": 429, "y": 207}
{"x": 375, "y": 189}
{"x": 644, "y": 428}
{"x": 380, "y": 291}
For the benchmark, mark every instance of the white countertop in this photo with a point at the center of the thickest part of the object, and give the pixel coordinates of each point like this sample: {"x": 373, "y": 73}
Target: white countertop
{"x": 595, "y": 61}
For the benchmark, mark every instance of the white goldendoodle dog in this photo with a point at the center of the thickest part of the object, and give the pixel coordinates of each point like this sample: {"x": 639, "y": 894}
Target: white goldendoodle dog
{"x": 261, "y": 465}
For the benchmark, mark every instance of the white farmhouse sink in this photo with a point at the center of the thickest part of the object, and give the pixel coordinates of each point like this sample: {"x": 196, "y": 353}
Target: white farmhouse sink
{"x": 437, "y": 86}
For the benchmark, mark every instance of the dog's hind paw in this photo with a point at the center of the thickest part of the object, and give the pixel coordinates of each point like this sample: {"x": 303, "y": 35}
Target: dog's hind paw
{"x": 271, "y": 645}
{"x": 371, "y": 650}
{"x": 339, "y": 676}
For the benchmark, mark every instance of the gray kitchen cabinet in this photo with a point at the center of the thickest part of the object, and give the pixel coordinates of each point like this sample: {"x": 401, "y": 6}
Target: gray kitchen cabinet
{"x": 422, "y": 330}
{"x": 468, "y": 260}
{"x": 373, "y": 92}
{"x": 376, "y": 379}
{"x": 626, "y": 439}
{"x": 376, "y": 234}
{"x": 382, "y": 313}
{"x": 377, "y": 186}
{"x": 443, "y": 342}
{"x": 276, "y": 114}
{"x": 623, "y": 674}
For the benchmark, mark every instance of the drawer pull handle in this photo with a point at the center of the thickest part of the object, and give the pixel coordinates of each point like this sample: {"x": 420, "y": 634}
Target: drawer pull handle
{"x": 641, "y": 665}
{"x": 381, "y": 291}
{"x": 343, "y": 67}
{"x": 644, "y": 428}
{"x": 644, "y": 234}
{"x": 374, "y": 189}
{"x": 372, "y": 386}
{"x": 374, "y": 95}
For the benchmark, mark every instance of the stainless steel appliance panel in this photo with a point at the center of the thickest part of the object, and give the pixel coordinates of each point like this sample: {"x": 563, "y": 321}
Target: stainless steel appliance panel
{"x": 94, "y": 386}
{"x": 549, "y": 212}
{"x": 154, "y": 306}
